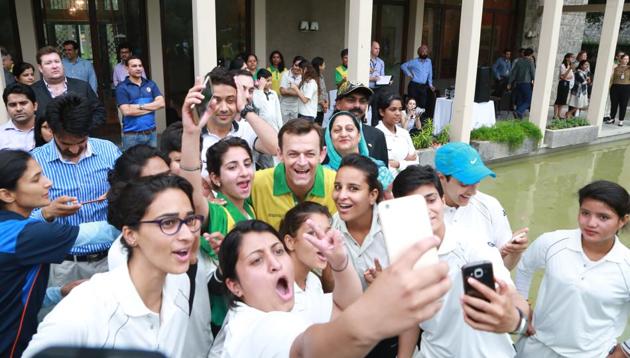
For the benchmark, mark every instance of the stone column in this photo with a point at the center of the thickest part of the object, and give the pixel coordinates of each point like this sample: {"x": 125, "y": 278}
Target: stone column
{"x": 545, "y": 63}
{"x": 154, "y": 32}
{"x": 260, "y": 31}
{"x": 466, "y": 75}
{"x": 359, "y": 40}
{"x": 416, "y": 24}
{"x": 204, "y": 36}
{"x": 605, "y": 56}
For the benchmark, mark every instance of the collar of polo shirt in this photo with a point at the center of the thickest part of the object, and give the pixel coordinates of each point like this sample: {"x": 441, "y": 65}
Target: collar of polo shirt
{"x": 281, "y": 187}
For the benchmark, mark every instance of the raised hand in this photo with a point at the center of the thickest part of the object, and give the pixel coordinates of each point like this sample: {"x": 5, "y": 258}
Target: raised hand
{"x": 193, "y": 99}
{"x": 62, "y": 206}
{"x": 498, "y": 314}
{"x": 329, "y": 243}
{"x": 214, "y": 239}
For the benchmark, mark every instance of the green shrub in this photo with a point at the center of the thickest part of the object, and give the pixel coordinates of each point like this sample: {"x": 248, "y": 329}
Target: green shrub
{"x": 567, "y": 123}
{"x": 513, "y": 133}
{"x": 425, "y": 138}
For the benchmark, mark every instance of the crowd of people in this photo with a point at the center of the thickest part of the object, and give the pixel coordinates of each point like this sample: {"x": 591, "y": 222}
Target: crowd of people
{"x": 250, "y": 230}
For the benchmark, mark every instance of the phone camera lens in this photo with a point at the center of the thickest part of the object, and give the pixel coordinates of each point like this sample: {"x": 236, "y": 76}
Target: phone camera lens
{"x": 478, "y": 273}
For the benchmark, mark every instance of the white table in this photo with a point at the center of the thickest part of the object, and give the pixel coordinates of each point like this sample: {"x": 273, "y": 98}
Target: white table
{"x": 483, "y": 114}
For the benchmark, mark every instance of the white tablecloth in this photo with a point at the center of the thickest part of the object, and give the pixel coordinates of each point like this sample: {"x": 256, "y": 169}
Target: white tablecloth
{"x": 483, "y": 114}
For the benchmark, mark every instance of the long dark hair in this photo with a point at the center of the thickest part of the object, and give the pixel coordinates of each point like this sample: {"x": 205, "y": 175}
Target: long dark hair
{"x": 308, "y": 73}
{"x": 295, "y": 217}
{"x": 281, "y": 65}
{"x": 214, "y": 155}
{"x": 317, "y": 63}
{"x": 567, "y": 59}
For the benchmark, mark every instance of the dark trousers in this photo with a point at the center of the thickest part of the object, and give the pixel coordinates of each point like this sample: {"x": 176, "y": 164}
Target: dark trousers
{"x": 419, "y": 92}
{"x": 523, "y": 97}
{"x": 320, "y": 118}
{"x": 619, "y": 95}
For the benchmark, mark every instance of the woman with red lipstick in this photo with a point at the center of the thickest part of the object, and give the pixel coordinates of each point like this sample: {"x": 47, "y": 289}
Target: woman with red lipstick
{"x": 259, "y": 276}
{"x": 144, "y": 303}
{"x": 583, "y": 302}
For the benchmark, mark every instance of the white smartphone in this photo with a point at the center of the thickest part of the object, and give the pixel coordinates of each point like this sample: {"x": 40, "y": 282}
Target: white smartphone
{"x": 405, "y": 221}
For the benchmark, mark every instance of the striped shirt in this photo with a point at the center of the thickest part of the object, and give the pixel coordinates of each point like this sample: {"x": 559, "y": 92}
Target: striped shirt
{"x": 85, "y": 180}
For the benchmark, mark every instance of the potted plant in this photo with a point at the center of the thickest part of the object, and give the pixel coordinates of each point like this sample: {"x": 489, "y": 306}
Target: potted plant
{"x": 426, "y": 143}
{"x": 505, "y": 139}
{"x": 566, "y": 132}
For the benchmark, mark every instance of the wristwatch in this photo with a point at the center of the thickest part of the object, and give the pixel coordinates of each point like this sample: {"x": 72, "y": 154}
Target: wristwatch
{"x": 141, "y": 107}
{"x": 522, "y": 323}
{"x": 248, "y": 109}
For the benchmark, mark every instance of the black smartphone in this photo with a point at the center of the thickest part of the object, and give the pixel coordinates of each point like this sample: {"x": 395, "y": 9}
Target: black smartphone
{"x": 207, "y": 97}
{"x": 480, "y": 271}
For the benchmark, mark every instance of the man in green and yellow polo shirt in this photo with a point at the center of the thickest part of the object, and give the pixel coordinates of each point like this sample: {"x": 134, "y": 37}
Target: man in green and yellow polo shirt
{"x": 299, "y": 177}
{"x": 341, "y": 71}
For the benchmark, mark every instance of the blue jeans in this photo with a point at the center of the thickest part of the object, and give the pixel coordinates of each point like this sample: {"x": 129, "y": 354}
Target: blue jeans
{"x": 132, "y": 139}
{"x": 523, "y": 97}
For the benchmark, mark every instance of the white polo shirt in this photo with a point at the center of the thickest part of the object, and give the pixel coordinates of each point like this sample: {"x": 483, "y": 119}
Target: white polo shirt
{"x": 107, "y": 312}
{"x": 289, "y": 103}
{"x": 199, "y": 336}
{"x": 240, "y": 129}
{"x": 484, "y": 216}
{"x": 373, "y": 247}
{"x": 252, "y": 333}
{"x": 399, "y": 146}
{"x": 312, "y": 306}
{"x": 14, "y": 138}
{"x": 582, "y": 305}
{"x": 309, "y": 90}
{"x": 447, "y": 334}
{"x": 312, "y": 303}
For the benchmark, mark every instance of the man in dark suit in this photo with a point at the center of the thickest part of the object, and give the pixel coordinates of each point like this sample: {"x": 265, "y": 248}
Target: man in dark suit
{"x": 355, "y": 97}
{"x": 55, "y": 83}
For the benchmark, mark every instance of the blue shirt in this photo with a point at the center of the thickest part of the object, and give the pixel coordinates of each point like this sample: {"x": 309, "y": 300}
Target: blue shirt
{"x": 27, "y": 247}
{"x": 81, "y": 70}
{"x": 378, "y": 69}
{"x": 420, "y": 71}
{"x": 128, "y": 92}
{"x": 502, "y": 68}
{"x": 86, "y": 180}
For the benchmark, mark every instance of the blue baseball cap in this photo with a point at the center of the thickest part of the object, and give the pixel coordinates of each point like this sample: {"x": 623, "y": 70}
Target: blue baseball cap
{"x": 461, "y": 161}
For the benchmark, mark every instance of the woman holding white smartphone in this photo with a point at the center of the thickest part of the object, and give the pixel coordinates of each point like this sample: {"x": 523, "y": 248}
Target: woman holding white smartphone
{"x": 584, "y": 298}
{"x": 356, "y": 193}
{"x": 259, "y": 275}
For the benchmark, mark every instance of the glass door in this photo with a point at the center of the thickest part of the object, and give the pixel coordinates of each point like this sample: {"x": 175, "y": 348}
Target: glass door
{"x": 98, "y": 26}
{"x": 389, "y": 28}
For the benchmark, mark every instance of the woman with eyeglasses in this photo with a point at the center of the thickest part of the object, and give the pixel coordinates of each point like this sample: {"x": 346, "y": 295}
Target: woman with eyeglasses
{"x": 144, "y": 303}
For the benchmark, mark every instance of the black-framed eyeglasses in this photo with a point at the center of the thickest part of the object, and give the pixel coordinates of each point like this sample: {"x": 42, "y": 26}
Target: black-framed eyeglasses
{"x": 172, "y": 225}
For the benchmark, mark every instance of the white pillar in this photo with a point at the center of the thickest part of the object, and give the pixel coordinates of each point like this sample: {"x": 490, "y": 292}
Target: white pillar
{"x": 260, "y": 31}
{"x": 154, "y": 33}
{"x": 466, "y": 76}
{"x": 605, "y": 56}
{"x": 359, "y": 40}
{"x": 416, "y": 24}
{"x": 545, "y": 63}
{"x": 204, "y": 36}
{"x": 26, "y": 29}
